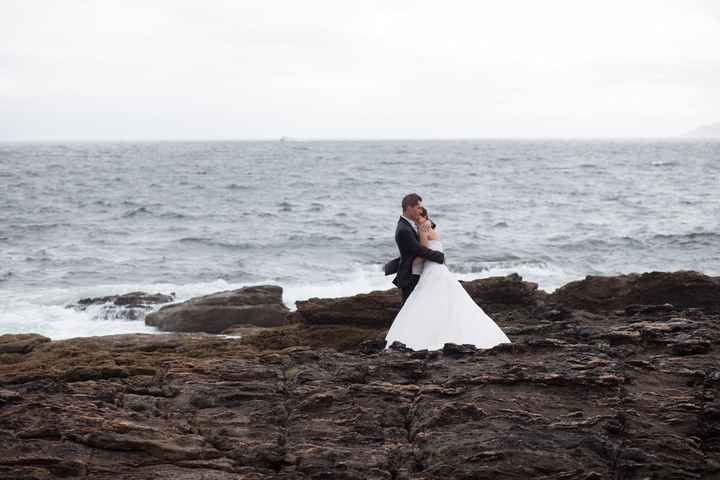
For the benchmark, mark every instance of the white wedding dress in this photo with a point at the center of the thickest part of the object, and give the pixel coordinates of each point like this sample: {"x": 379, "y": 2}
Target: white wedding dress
{"x": 439, "y": 310}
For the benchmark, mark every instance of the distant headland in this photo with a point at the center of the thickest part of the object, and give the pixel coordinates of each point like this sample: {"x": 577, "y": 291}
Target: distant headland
{"x": 705, "y": 131}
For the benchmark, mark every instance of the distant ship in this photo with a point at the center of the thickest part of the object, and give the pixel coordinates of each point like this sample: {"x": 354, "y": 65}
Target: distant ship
{"x": 289, "y": 139}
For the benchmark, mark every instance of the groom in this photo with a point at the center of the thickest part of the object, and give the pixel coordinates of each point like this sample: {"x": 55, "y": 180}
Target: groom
{"x": 408, "y": 242}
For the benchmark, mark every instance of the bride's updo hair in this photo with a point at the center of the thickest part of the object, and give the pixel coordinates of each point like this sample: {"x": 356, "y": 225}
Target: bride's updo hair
{"x": 423, "y": 212}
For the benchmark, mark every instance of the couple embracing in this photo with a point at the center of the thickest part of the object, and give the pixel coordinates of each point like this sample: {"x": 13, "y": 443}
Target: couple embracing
{"x": 436, "y": 309}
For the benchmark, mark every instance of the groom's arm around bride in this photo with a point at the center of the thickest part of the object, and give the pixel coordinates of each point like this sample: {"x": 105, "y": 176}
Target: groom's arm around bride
{"x": 410, "y": 248}
{"x": 407, "y": 242}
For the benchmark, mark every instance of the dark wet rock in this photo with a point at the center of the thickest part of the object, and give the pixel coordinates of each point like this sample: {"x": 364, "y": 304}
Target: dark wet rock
{"x": 454, "y": 350}
{"x": 260, "y": 306}
{"x": 338, "y": 337}
{"x": 128, "y": 306}
{"x": 647, "y": 309}
{"x": 496, "y": 294}
{"x": 547, "y": 312}
{"x": 556, "y": 314}
{"x": 681, "y": 289}
{"x": 620, "y": 335}
{"x": 601, "y": 394}
{"x": 132, "y": 299}
{"x": 372, "y": 346}
{"x": 242, "y": 330}
{"x": 687, "y": 345}
{"x": 21, "y": 343}
{"x": 398, "y": 346}
{"x": 8, "y": 396}
{"x": 370, "y": 310}
{"x": 378, "y": 309}
{"x": 190, "y": 405}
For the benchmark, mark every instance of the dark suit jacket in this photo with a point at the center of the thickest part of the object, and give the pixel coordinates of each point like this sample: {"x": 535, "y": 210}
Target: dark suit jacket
{"x": 408, "y": 243}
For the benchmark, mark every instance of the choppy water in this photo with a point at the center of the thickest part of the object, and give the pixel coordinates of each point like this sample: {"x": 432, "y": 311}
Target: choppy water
{"x": 318, "y": 218}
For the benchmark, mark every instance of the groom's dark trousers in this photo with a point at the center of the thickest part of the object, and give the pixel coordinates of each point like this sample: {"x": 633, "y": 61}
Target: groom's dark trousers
{"x": 406, "y": 291}
{"x": 409, "y": 245}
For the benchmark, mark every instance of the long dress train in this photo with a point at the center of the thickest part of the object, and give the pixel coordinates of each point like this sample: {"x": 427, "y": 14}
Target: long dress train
{"x": 439, "y": 310}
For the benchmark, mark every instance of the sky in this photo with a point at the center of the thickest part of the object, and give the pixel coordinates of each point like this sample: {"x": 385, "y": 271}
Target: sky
{"x": 246, "y": 69}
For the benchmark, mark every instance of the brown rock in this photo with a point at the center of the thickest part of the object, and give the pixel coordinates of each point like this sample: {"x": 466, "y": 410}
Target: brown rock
{"x": 259, "y": 305}
{"x": 378, "y": 309}
{"x": 681, "y": 289}
{"x": 496, "y": 294}
{"x": 189, "y": 405}
{"x": 20, "y": 343}
{"x": 127, "y": 436}
{"x": 609, "y": 394}
{"x": 370, "y": 310}
{"x": 338, "y": 337}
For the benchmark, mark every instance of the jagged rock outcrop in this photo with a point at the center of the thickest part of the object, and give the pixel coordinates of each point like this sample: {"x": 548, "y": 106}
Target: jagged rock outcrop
{"x": 633, "y": 397}
{"x": 260, "y": 305}
{"x": 370, "y": 310}
{"x": 378, "y": 309}
{"x": 631, "y": 392}
{"x": 128, "y": 306}
{"x": 682, "y": 289}
{"x": 497, "y": 294}
{"x": 131, "y": 298}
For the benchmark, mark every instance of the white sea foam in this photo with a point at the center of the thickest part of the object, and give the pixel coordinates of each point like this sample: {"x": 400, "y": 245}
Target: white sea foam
{"x": 548, "y": 277}
{"x": 21, "y": 315}
{"x": 44, "y": 311}
{"x": 551, "y": 211}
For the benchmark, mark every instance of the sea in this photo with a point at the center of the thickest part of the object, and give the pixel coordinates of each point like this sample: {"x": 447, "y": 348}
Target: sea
{"x": 318, "y": 218}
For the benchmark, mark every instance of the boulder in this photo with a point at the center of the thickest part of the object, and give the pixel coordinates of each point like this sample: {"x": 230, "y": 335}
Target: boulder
{"x": 260, "y": 306}
{"x": 681, "y": 289}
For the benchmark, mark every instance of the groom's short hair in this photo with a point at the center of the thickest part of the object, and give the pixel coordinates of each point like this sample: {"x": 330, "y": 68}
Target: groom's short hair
{"x": 410, "y": 200}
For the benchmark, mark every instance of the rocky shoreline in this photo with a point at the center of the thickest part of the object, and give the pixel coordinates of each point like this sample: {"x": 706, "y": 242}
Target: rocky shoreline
{"x": 607, "y": 377}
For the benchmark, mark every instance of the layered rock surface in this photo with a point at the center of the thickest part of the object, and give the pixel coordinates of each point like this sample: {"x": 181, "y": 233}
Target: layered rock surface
{"x": 631, "y": 392}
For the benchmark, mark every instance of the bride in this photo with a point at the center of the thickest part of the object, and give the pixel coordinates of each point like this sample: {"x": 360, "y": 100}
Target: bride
{"x": 439, "y": 310}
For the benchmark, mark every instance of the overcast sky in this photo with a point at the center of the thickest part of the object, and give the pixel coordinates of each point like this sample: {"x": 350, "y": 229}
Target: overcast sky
{"x": 245, "y": 69}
